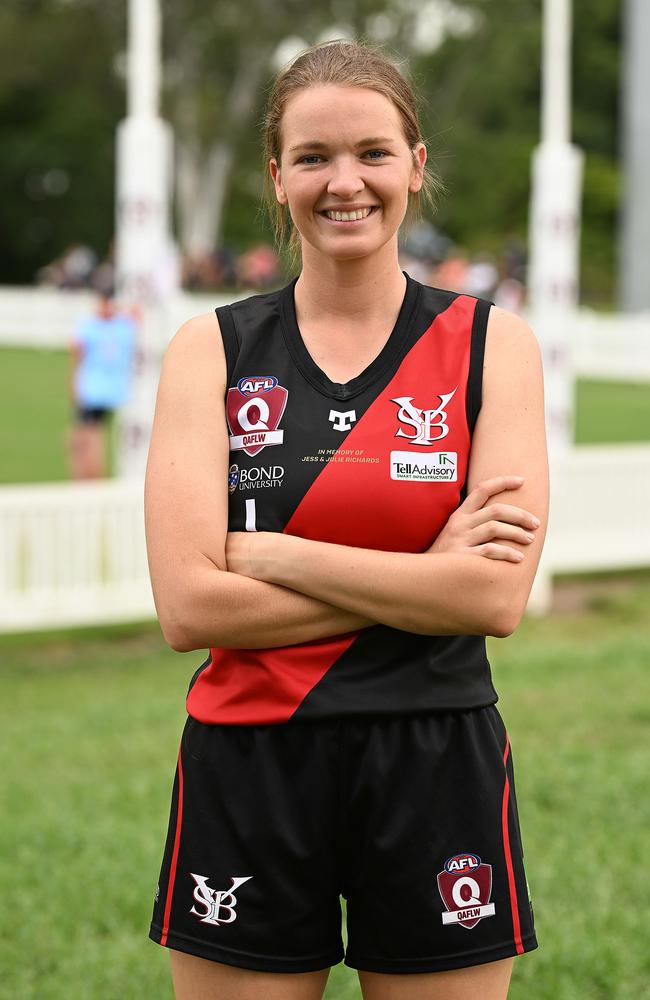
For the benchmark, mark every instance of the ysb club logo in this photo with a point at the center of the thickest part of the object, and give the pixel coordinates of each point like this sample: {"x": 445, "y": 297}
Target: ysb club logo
{"x": 465, "y": 886}
{"x": 217, "y": 906}
{"x": 428, "y": 425}
{"x": 254, "y": 410}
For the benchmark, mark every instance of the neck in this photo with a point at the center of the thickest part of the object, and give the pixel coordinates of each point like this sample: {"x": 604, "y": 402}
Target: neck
{"x": 356, "y": 291}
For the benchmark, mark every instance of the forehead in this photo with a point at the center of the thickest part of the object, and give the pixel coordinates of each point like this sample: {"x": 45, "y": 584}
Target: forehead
{"x": 334, "y": 114}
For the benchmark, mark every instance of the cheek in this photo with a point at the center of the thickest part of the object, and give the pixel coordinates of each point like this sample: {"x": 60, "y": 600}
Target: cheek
{"x": 301, "y": 197}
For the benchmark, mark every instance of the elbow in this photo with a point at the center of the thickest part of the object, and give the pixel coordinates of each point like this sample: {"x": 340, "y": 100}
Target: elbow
{"x": 176, "y": 636}
{"x": 505, "y": 619}
{"x": 502, "y": 628}
{"x": 177, "y": 627}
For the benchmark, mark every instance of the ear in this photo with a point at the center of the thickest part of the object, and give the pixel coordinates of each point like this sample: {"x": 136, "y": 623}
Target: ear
{"x": 276, "y": 177}
{"x": 417, "y": 173}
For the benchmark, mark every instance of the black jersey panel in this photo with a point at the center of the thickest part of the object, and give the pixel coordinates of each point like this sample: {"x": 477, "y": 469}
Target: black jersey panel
{"x": 475, "y": 378}
{"x": 401, "y": 672}
{"x": 231, "y": 343}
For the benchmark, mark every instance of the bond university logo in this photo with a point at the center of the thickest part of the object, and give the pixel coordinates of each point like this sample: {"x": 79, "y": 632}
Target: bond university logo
{"x": 216, "y": 906}
{"x": 426, "y": 426}
{"x": 342, "y": 421}
{"x": 254, "y": 410}
{"x": 233, "y": 477}
{"x": 465, "y": 885}
{"x": 256, "y": 478}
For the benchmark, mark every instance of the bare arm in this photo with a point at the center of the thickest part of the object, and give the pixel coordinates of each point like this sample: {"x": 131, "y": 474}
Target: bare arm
{"x": 74, "y": 359}
{"x": 438, "y": 592}
{"x": 199, "y": 603}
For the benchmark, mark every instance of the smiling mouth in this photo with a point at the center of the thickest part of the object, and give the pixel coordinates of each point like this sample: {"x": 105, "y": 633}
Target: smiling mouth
{"x": 349, "y": 218}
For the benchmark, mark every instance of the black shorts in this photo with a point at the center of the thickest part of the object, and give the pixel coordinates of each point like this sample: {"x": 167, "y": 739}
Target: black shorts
{"x": 412, "y": 819}
{"x": 92, "y": 414}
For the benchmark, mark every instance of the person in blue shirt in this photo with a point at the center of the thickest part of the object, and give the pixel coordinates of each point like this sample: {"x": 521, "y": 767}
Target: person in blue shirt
{"x": 101, "y": 356}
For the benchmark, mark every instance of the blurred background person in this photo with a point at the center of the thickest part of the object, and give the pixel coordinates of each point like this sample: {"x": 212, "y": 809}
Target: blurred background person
{"x": 101, "y": 356}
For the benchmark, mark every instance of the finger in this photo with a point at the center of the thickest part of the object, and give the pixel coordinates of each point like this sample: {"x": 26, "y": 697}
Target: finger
{"x": 492, "y": 550}
{"x": 497, "y": 529}
{"x": 488, "y": 488}
{"x": 506, "y": 513}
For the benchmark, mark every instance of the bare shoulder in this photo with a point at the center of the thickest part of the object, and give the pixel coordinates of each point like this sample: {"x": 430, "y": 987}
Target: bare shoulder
{"x": 512, "y": 353}
{"x": 509, "y": 333}
{"x": 197, "y": 343}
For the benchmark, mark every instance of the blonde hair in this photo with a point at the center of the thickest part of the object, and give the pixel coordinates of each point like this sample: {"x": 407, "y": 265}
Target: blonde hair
{"x": 347, "y": 64}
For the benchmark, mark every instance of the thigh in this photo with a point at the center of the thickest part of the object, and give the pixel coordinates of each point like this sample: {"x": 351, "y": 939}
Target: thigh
{"x": 249, "y": 876}
{"x": 435, "y": 876}
{"x": 487, "y": 982}
{"x": 198, "y": 979}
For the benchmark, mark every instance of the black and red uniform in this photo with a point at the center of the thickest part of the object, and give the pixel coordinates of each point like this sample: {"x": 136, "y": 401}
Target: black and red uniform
{"x": 373, "y": 764}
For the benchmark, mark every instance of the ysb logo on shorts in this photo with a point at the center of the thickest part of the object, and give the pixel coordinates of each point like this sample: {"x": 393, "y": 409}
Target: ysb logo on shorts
{"x": 428, "y": 425}
{"x": 217, "y": 905}
{"x": 465, "y": 886}
{"x": 253, "y": 411}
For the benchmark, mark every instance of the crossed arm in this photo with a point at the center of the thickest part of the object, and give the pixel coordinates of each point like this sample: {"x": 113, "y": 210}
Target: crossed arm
{"x": 266, "y": 589}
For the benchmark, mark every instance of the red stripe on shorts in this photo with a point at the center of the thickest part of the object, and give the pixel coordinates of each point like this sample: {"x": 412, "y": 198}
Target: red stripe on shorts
{"x": 512, "y": 888}
{"x": 177, "y": 841}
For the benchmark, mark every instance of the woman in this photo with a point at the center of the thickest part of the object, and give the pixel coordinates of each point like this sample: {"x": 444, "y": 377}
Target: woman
{"x": 315, "y": 517}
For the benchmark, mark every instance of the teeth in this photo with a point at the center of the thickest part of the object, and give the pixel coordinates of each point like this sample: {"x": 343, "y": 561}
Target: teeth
{"x": 349, "y": 216}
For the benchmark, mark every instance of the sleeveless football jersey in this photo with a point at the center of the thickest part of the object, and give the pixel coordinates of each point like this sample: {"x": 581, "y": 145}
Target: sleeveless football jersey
{"x": 380, "y": 463}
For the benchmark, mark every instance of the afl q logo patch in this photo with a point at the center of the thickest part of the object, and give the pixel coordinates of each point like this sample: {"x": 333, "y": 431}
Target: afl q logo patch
{"x": 253, "y": 411}
{"x": 233, "y": 478}
{"x": 465, "y": 886}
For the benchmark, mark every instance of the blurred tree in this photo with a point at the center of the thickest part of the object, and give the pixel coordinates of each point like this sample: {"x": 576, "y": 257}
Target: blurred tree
{"x": 482, "y": 117}
{"x": 220, "y": 60}
{"x": 59, "y": 104}
{"x": 474, "y": 62}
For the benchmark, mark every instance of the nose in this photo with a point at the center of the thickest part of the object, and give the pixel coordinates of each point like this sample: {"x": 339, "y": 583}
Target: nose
{"x": 345, "y": 178}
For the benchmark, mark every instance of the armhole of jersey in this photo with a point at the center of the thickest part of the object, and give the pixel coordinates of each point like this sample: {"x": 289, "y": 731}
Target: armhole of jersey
{"x": 474, "y": 395}
{"x": 477, "y": 354}
{"x": 231, "y": 343}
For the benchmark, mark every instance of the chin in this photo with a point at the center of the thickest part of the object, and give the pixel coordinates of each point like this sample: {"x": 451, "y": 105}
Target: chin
{"x": 353, "y": 250}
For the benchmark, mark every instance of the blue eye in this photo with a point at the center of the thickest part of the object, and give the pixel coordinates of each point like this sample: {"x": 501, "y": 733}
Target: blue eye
{"x": 316, "y": 156}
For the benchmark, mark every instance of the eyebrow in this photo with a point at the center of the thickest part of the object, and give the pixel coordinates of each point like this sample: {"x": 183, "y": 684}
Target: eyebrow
{"x": 373, "y": 141}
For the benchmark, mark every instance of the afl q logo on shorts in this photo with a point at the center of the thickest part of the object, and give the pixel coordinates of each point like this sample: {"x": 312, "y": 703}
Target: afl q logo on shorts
{"x": 253, "y": 411}
{"x": 465, "y": 885}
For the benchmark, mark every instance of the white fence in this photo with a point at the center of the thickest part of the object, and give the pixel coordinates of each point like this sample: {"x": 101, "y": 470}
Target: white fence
{"x": 74, "y": 553}
{"x": 602, "y": 346}
{"x": 44, "y": 317}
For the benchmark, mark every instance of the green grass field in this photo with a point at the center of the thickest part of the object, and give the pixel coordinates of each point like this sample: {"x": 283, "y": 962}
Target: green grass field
{"x": 34, "y": 414}
{"x": 90, "y": 722}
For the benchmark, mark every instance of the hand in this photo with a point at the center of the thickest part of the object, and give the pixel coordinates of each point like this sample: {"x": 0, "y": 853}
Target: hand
{"x": 473, "y": 527}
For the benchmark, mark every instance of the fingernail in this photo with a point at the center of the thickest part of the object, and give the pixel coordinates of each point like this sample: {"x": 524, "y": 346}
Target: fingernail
{"x": 536, "y": 522}
{"x": 529, "y": 536}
